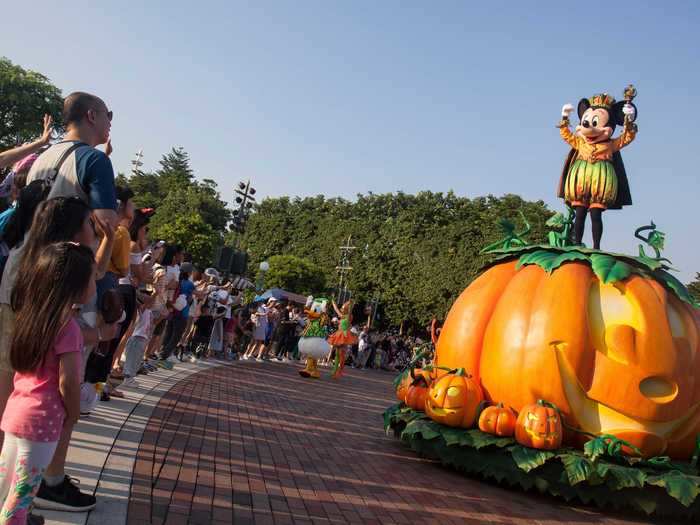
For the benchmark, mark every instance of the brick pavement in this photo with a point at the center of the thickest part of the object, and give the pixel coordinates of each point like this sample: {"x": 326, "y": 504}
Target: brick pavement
{"x": 256, "y": 443}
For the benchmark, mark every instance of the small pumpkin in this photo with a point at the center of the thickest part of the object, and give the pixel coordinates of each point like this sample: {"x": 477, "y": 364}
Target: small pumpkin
{"x": 498, "y": 420}
{"x": 454, "y": 399}
{"x": 407, "y": 380}
{"x": 539, "y": 426}
{"x": 417, "y": 392}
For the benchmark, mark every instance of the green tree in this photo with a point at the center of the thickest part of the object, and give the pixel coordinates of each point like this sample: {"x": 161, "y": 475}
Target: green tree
{"x": 694, "y": 287}
{"x": 417, "y": 252}
{"x": 25, "y": 96}
{"x": 178, "y": 197}
{"x": 188, "y": 229}
{"x": 295, "y": 274}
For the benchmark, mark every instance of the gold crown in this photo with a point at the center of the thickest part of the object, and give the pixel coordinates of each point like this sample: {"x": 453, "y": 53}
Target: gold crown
{"x": 602, "y": 100}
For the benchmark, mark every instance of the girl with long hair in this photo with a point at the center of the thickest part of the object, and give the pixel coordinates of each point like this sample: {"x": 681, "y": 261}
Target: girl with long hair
{"x": 45, "y": 352}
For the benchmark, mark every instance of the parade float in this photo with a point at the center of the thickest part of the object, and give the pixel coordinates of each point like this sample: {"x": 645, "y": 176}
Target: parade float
{"x": 568, "y": 370}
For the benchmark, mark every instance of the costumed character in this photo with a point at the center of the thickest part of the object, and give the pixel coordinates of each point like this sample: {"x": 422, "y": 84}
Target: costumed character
{"x": 342, "y": 338}
{"x": 594, "y": 179}
{"x": 312, "y": 343}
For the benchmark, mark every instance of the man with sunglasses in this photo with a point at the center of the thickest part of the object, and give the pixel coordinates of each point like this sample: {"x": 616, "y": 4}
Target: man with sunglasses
{"x": 76, "y": 167}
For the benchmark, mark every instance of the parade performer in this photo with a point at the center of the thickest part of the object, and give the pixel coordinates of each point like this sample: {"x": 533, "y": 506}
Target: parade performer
{"x": 594, "y": 179}
{"x": 312, "y": 343}
{"x": 342, "y": 338}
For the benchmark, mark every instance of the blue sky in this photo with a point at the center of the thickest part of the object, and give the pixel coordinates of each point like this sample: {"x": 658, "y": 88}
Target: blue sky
{"x": 340, "y": 98}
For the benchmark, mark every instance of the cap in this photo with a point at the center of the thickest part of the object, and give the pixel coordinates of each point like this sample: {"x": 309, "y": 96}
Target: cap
{"x": 186, "y": 267}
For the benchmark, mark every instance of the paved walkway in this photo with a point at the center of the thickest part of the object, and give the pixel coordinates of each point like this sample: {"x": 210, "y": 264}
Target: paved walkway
{"x": 255, "y": 443}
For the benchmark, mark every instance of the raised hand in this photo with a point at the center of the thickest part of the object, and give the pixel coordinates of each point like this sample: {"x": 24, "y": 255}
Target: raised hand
{"x": 48, "y": 129}
{"x": 566, "y": 110}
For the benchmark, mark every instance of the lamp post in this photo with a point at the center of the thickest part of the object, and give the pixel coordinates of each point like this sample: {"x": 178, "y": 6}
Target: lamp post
{"x": 264, "y": 267}
{"x": 245, "y": 201}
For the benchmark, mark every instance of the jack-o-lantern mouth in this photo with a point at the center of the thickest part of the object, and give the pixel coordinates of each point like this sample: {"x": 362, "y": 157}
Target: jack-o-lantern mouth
{"x": 596, "y": 417}
{"x": 444, "y": 411}
{"x": 542, "y": 435}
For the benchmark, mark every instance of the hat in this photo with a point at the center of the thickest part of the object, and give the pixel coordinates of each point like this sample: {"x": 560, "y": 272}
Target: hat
{"x": 271, "y": 300}
{"x": 186, "y": 267}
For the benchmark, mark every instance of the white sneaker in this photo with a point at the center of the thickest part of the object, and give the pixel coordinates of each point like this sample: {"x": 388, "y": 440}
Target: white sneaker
{"x": 173, "y": 359}
{"x": 129, "y": 382}
{"x": 192, "y": 358}
{"x": 259, "y": 360}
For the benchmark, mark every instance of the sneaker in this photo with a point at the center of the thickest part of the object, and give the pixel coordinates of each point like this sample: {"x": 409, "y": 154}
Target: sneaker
{"x": 142, "y": 371}
{"x": 259, "y": 360}
{"x": 173, "y": 359}
{"x": 65, "y": 496}
{"x": 165, "y": 364}
{"x": 129, "y": 382}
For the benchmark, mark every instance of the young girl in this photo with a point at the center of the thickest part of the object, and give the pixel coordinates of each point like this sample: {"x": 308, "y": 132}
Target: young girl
{"x": 46, "y": 354}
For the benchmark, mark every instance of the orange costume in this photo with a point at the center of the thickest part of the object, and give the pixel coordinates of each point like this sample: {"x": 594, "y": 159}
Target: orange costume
{"x": 342, "y": 338}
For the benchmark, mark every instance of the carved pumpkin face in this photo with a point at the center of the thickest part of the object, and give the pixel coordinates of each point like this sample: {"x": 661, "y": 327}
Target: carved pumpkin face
{"x": 539, "y": 426}
{"x": 621, "y": 359}
{"x": 453, "y": 400}
{"x": 416, "y": 393}
{"x": 498, "y": 420}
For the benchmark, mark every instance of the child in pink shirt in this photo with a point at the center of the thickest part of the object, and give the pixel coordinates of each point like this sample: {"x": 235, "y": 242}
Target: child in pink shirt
{"x": 46, "y": 354}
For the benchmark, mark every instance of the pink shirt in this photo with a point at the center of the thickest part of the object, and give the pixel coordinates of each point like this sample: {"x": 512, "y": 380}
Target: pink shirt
{"x": 35, "y": 409}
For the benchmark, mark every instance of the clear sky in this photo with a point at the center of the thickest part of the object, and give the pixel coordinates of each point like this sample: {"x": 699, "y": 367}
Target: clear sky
{"x": 339, "y": 98}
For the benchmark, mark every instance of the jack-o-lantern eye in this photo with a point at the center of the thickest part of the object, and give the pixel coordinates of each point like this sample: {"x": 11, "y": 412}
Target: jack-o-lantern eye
{"x": 532, "y": 417}
{"x": 453, "y": 391}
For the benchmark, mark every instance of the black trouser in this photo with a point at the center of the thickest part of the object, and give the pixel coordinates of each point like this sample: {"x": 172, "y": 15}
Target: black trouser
{"x": 173, "y": 333}
{"x": 99, "y": 363}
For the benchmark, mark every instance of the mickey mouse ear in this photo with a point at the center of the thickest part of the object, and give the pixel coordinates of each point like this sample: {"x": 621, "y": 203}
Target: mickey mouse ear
{"x": 583, "y": 105}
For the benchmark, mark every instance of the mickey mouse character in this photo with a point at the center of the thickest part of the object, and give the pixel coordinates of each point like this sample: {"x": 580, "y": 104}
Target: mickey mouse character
{"x": 594, "y": 179}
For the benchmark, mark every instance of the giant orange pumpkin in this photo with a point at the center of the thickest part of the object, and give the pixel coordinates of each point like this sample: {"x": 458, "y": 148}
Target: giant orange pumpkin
{"x": 453, "y": 400}
{"x": 621, "y": 359}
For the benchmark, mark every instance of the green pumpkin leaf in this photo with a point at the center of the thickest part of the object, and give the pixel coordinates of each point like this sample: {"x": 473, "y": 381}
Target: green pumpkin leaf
{"x": 426, "y": 428}
{"x": 528, "y": 459}
{"x": 479, "y": 439}
{"x": 550, "y": 260}
{"x": 619, "y": 477}
{"x": 679, "y": 486}
{"x": 595, "y": 448}
{"x": 452, "y": 436}
{"x": 608, "y": 269}
{"x": 542, "y": 258}
{"x": 577, "y": 468}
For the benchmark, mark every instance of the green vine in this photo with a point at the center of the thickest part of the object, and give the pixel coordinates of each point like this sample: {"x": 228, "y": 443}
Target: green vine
{"x": 512, "y": 238}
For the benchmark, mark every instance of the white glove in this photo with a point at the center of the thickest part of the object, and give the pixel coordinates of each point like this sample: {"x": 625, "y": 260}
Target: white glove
{"x": 629, "y": 111}
{"x": 566, "y": 110}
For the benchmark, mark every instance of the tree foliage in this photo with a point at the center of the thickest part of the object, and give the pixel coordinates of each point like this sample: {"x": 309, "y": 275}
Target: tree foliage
{"x": 296, "y": 274}
{"x": 188, "y": 212}
{"x": 694, "y": 287}
{"x": 418, "y": 252}
{"x": 25, "y": 96}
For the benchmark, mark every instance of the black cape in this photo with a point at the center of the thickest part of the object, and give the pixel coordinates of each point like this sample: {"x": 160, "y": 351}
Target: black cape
{"x": 624, "y": 197}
